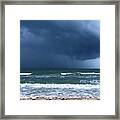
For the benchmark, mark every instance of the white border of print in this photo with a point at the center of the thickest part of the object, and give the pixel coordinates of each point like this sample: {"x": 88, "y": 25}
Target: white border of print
{"x": 104, "y": 13}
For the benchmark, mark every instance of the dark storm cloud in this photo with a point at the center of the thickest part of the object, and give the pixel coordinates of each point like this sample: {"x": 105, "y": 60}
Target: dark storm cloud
{"x": 59, "y": 43}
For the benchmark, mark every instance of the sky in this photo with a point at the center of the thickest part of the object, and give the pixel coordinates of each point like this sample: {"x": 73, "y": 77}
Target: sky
{"x": 59, "y": 44}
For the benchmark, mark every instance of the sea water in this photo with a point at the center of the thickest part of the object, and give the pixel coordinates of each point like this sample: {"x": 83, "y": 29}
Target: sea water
{"x": 62, "y": 83}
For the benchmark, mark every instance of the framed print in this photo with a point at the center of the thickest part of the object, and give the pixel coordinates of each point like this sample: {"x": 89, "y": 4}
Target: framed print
{"x": 60, "y": 59}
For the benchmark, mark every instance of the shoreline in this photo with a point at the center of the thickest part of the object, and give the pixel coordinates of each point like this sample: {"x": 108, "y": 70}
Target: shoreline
{"x": 58, "y": 98}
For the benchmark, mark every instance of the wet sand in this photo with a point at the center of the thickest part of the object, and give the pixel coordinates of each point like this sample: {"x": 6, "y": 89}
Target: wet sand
{"x": 58, "y": 98}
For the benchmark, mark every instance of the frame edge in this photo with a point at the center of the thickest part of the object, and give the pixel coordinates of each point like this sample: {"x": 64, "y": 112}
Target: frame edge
{"x": 2, "y": 54}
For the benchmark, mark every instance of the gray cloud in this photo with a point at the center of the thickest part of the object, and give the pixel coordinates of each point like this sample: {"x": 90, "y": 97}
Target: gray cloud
{"x": 56, "y": 44}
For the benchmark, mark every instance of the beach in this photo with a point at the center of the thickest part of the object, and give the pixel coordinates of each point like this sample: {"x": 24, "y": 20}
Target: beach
{"x": 58, "y": 98}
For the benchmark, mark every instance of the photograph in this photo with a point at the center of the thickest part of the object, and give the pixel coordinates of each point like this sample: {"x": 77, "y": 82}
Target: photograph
{"x": 60, "y": 54}
{"x": 59, "y": 60}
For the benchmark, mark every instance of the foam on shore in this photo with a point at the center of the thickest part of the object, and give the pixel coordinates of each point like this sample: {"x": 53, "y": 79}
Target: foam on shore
{"x": 76, "y": 86}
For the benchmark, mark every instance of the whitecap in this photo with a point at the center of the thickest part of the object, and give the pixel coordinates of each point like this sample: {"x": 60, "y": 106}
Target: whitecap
{"x": 66, "y": 73}
{"x": 89, "y": 73}
{"x": 25, "y": 73}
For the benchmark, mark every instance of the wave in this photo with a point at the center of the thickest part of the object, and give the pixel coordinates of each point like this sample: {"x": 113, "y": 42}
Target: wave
{"x": 60, "y": 90}
{"x": 88, "y": 73}
{"x": 76, "y": 86}
{"x": 62, "y": 74}
{"x": 25, "y": 73}
{"x": 81, "y": 73}
{"x": 66, "y": 73}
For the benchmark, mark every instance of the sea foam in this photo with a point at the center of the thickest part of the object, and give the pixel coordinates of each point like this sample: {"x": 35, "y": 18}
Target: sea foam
{"x": 89, "y": 73}
{"x": 25, "y": 73}
{"x": 66, "y": 73}
{"x": 76, "y": 86}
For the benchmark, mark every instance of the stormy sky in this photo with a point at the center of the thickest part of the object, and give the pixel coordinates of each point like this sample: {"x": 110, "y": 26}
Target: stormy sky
{"x": 59, "y": 44}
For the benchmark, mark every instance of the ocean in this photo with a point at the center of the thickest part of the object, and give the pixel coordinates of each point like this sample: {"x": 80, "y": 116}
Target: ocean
{"x": 60, "y": 84}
